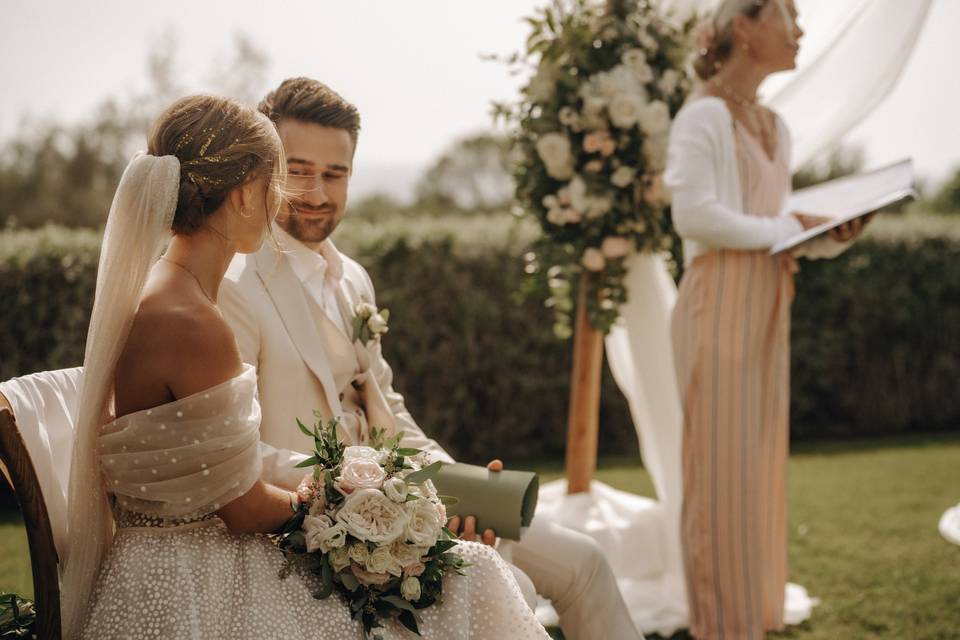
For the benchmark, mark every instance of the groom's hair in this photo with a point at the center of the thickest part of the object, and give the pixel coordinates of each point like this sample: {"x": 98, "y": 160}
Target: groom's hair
{"x": 312, "y": 101}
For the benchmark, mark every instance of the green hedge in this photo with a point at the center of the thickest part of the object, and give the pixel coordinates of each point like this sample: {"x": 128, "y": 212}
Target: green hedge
{"x": 876, "y": 343}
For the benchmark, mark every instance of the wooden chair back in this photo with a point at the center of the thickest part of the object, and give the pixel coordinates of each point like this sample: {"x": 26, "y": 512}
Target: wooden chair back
{"x": 18, "y": 472}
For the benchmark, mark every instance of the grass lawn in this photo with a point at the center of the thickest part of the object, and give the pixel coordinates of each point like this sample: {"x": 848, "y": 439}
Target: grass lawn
{"x": 863, "y": 536}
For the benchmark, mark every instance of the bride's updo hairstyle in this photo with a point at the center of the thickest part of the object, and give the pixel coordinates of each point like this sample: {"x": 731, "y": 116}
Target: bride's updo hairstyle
{"x": 221, "y": 144}
{"x": 714, "y": 36}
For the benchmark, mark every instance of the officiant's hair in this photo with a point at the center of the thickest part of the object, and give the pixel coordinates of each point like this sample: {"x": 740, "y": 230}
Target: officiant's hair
{"x": 310, "y": 100}
{"x": 221, "y": 144}
{"x": 709, "y": 59}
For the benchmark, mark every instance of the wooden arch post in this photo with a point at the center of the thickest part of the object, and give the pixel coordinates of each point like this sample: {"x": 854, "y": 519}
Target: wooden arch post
{"x": 583, "y": 421}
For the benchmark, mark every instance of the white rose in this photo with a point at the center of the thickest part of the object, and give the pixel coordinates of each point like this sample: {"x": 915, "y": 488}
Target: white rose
{"x": 654, "y": 118}
{"x": 625, "y": 110}
{"x": 381, "y": 560}
{"x": 358, "y": 552}
{"x": 369, "y": 578}
{"x": 623, "y": 176}
{"x": 377, "y": 324}
{"x": 615, "y": 247}
{"x": 315, "y": 529}
{"x": 339, "y": 559}
{"x": 369, "y": 515}
{"x": 554, "y": 150}
{"x": 655, "y": 152}
{"x": 410, "y": 589}
{"x": 396, "y": 489}
{"x": 322, "y": 534}
{"x": 415, "y": 569}
{"x": 357, "y": 452}
{"x": 360, "y": 473}
{"x": 669, "y": 81}
{"x": 593, "y": 259}
{"x": 598, "y": 206}
{"x": 631, "y": 80}
{"x": 423, "y": 523}
{"x": 636, "y": 60}
{"x": 406, "y": 554}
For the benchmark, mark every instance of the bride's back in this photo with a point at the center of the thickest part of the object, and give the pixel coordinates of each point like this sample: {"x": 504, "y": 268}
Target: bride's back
{"x": 179, "y": 344}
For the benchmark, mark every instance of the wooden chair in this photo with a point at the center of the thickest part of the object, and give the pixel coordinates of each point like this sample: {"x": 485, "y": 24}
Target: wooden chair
{"x": 19, "y": 473}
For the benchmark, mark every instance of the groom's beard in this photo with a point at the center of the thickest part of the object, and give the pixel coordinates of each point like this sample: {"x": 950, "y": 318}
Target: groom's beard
{"x": 310, "y": 224}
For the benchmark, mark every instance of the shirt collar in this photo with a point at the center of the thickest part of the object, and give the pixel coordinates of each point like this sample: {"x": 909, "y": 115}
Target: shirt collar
{"x": 306, "y": 263}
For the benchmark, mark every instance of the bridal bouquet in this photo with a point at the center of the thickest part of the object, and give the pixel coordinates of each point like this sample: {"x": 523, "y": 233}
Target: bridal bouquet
{"x": 371, "y": 526}
{"x": 591, "y": 132}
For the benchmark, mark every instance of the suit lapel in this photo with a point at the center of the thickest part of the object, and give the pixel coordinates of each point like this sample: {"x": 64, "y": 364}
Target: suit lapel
{"x": 287, "y": 294}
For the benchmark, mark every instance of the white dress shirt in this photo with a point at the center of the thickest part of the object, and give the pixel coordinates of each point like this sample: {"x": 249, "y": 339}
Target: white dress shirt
{"x": 319, "y": 271}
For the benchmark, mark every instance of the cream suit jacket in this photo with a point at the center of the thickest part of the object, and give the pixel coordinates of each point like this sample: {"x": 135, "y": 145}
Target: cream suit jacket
{"x": 266, "y": 305}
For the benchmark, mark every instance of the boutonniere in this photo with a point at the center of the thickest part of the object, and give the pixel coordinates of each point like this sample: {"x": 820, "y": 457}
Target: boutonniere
{"x": 369, "y": 323}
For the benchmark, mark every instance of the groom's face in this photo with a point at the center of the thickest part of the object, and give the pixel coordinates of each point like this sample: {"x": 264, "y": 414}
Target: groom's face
{"x": 319, "y": 164}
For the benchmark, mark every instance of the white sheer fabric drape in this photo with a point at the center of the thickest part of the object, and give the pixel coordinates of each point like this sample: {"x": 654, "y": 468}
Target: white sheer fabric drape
{"x": 851, "y": 57}
{"x": 138, "y": 226}
{"x": 189, "y": 457}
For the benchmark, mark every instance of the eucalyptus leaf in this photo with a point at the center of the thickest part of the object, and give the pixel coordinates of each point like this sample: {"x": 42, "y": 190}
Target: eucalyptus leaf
{"x": 399, "y": 602}
{"x": 309, "y": 462}
{"x": 428, "y": 472}
{"x": 449, "y": 501}
{"x": 303, "y": 428}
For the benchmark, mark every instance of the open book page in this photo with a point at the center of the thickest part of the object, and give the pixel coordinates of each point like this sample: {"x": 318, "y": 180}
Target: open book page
{"x": 849, "y": 197}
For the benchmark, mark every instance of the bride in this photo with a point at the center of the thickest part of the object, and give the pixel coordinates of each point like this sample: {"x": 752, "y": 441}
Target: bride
{"x": 166, "y": 501}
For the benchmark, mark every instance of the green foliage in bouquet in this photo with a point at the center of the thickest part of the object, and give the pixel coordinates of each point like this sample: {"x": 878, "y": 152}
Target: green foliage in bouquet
{"x": 17, "y": 617}
{"x": 591, "y": 133}
{"x": 384, "y": 570}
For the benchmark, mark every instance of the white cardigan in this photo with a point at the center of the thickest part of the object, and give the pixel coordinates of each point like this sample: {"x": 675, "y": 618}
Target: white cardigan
{"x": 706, "y": 193}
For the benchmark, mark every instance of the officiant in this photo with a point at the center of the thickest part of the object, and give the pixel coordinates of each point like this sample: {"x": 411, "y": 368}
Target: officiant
{"x": 728, "y": 171}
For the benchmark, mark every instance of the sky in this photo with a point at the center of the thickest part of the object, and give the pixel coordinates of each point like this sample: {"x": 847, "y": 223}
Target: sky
{"x": 413, "y": 68}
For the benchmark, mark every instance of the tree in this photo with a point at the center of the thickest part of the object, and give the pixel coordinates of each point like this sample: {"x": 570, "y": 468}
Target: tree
{"x": 947, "y": 199}
{"x": 67, "y": 175}
{"x": 842, "y": 161}
{"x": 472, "y": 175}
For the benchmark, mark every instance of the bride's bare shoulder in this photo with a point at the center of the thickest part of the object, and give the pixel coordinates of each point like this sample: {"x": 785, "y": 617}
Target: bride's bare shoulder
{"x": 178, "y": 343}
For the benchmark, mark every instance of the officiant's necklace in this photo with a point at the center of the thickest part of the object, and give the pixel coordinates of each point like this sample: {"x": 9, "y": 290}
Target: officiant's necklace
{"x": 729, "y": 92}
{"x": 187, "y": 269}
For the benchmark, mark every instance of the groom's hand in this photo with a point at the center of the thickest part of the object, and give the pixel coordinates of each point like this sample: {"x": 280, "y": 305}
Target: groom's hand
{"x": 469, "y": 532}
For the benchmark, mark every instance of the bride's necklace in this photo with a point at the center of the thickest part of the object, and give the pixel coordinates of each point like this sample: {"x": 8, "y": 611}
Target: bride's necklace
{"x": 187, "y": 269}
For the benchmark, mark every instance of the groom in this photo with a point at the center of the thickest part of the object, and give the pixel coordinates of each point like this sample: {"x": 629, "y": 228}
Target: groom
{"x": 292, "y": 312}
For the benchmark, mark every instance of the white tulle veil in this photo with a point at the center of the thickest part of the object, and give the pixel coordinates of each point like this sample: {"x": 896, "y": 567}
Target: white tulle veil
{"x": 138, "y": 227}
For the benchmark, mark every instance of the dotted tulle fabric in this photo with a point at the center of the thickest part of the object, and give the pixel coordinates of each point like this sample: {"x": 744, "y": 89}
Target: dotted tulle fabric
{"x": 177, "y": 572}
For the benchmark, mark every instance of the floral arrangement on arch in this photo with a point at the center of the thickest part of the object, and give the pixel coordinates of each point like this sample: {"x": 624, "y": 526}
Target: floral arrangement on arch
{"x": 591, "y": 133}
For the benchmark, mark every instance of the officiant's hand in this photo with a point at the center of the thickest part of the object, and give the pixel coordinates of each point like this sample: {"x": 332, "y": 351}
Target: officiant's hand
{"x": 809, "y": 220}
{"x": 851, "y": 230}
{"x": 469, "y": 532}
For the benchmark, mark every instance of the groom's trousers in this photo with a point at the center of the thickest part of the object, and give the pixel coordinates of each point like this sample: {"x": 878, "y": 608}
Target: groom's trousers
{"x": 569, "y": 569}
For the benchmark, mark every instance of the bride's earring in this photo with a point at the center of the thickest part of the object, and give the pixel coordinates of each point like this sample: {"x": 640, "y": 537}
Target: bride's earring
{"x": 243, "y": 212}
